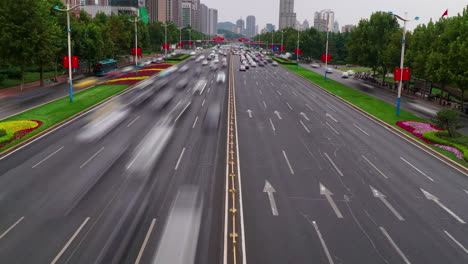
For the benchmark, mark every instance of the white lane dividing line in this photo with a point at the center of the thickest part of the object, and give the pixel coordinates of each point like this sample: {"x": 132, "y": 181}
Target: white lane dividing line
{"x": 145, "y": 242}
{"x": 133, "y": 121}
{"x": 287, "y": 161}
{"x": 373, "y": 166}
{"x": 195, "y": 122}
{"x": 203, "y": 103}
{"x": 334, "y": 130}
{"x": 362, "y": 130}
{"x": 180, "y": 158}
{"x": 333, "y": 163}
{"x": 11, "y": 227}
{"x": 264, "y": 104}
{"x": 279, "y": 92}
{"x": 308, "y": 106}
{"x": 465, "y": 191}
{"x": 456, "y": 242}
{"x": 394, "y": 245}
{"x": 289, "y": 106}
{"x": 407, "y": 162}
{"x": 294, "y": 93}
{"x": 331, "y": 108}
{"x": 70, "y": 241}
{"x": 272, "y": 125}
{"x": 46, "y": 158}
{"x": 183, "y": 111}
{"x": 92, "y": 157}
{"x": 260, "y": 91}
{"x": 331, "y": 117}
{"x": 308, "y": 131}
{"x": 324, "y": 246}
{"x": 209, "y": 89}
{"x": 256, "y": 83}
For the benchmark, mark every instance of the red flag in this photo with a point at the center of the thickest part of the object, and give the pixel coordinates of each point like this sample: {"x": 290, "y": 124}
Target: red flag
{"x": 445, "y": 13}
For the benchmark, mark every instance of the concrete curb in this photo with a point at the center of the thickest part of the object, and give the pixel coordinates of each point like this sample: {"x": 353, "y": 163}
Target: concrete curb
{"x": 395, "y": 131}
{"x": 20, "y": 145}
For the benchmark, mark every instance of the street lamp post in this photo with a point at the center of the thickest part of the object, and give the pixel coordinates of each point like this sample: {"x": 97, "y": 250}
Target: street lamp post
{"x": 70, "y": 74}
{"x": 297, "y": 51}
{"x": 180, "y": 37}
{"x": 165, "y": 41}
{"x": 326, "y": 55}
{"x": 282, "y": 38}
{"x": 402, "y": 59}
{"x": 272, "y": 45}
{"x": 190, "y": 38}
{"x": 136, "y": 43}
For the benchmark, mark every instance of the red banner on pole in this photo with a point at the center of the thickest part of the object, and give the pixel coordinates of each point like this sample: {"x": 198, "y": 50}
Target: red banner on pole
{"x": 165, "y": 46}
{"x": 180, "y": 44}
{"x": 272, "y": 46}
{"x": 74, "y": 61}
{"x": 297, "y": 51}
{"x": 397, "y": 74}
{"x": 190, "y": 43}
{"x": 136, "y": 51}
{"x": 326, "y": 57}
{"x": 281, "y": 48}
{"x": 406, "y": 74}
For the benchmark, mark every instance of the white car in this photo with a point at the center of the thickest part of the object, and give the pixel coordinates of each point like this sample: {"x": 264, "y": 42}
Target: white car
{"x": 220, "y": 77}
{"x": 329, "y": 70}
{"x": 205, "y": 62}
{"x": 315, "y": 65}
{"x": 199, "y": 86}
{"x": 350, "y": 73}
{"x": 344, "y": 75}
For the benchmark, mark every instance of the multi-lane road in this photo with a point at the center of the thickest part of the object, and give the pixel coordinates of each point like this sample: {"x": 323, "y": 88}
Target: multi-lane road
{"x": 320, "y": 183}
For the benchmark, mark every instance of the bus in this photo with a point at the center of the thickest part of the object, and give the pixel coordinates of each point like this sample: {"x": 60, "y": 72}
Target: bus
{"x": 103, "y": 67}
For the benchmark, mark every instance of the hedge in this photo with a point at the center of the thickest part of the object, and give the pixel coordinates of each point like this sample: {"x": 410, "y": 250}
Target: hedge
{"x": 432, "y": 136}
{"x": 284, "y": 61}
{"x": 178, "y": 57}
{"x": 6, "y": 135}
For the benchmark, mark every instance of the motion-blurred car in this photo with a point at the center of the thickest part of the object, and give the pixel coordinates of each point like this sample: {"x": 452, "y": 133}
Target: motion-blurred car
{"x": 86, "y": 82}
{"x": 212, "y": 117}
{"x": 200, "y": 58}
{"x": 315, "y": 65}
{"x": 213, "y": 66}
{"x": 127, "y": 69}
{"x": 274, "y": 63}
{"x": 163, "y": 99}
{"x": 350, "y": 73}
{"x": 205, "y": 62}
{"x": 197, "y": 72}
{"x": 329, "y": 70}
{"x": 220, "y": 77}
{"x": 242, "y": 68}
{"x": 183, "y": 69}
{"x": 344, "y": 75}
{"x": 182, "y": 83}
{"x": 199, "y": 86}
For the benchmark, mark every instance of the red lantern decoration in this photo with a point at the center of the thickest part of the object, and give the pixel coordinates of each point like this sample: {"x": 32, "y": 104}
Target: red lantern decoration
{"x": 74, "y": 62}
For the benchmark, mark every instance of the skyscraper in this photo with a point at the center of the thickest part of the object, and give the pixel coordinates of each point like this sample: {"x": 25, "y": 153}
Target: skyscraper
{"x": 324, "y": 20}
{"x": 250, "y": 28}
{"x": 305, "y": 25}
{"x": 186, "y": 13}
{"x": 270, "y": 27}
{"x": 287, "y": 17}
{"x": 168, "y": 10}
{"x": 336, "y": 27}
{"x": 204, "y": 19}
{"x": 213, "y": 21}
{"x": 240, "y": 24}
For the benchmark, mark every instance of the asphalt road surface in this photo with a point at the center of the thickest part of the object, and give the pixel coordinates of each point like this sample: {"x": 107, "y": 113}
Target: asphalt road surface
{"x": 63, "y": 200}
{"x": 323, "y": 184}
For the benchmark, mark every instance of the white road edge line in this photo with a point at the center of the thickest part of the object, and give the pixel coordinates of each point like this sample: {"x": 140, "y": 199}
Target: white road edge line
{"x": 195, "y": 122}
{"x": 289, "y": 106}
{"x": 394, "y": 245}
{"x": 11, "y": 227}
{"x": 279, "y": 92}
{"x": 362, "y": 130}
{"x": 180, "y": 158}
{"x": 332, "y": 118}
{"x": 334, "y": 165}
{"x": 377, "y": 169}
{"x": 308, "y": 106}
{"x": 308, "y": 131}
{"x": 407, "y": 162}
{"x": 92, "y": 157}
{"x": 70, "y": 241}
{"x": 143, "y": 246}
{"x": 334, "y": 130}
{"x": 287, "y": 161}
{"x": 133, "y": 121}
{"x": 324, "y": 246}
{"x": 456, "y": 242}
{"x": 183, "y": 110}
{"x": 272, "y": 125}
{"x": 46, "y": 158}
{"x": 331, "y": 108}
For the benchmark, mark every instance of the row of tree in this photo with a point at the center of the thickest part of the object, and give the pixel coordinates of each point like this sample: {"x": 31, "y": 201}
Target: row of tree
{"x": 437, "y": 52}
{"x": 33, "y": 33}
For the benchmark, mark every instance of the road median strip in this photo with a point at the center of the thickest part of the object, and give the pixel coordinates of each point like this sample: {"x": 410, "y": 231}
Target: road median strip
{"x": 378, "y": 111}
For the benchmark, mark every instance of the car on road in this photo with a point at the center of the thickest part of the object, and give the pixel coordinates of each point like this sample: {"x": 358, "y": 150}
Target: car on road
{"x": 242, "y": 68}
{"x": 182, "y": 83}
{"x": 205, "y": 62}
{"x": 329, "y": 70}
{"x": 163, "y": 100}
{"x": 274, "y": 63}
{"x": 315, "y": 65}
{"x": 212, "y": 117}
{"x": 200, "y": 86}
{"x": 344, "y": 75}
{"x": 220, "y": 77}
{"x": 200, "y": 58}
{"x": 351, "y": 73}
{"x": 86, "y": 82}
{"x": 183, "y": 69}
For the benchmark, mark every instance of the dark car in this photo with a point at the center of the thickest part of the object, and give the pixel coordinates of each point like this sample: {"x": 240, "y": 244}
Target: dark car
{"x": 212, "y": 117}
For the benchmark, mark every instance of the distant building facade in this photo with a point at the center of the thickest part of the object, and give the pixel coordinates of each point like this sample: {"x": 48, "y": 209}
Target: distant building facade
{"x": 287, "y": 17}
{"x": 324, "y": 20}
{"x": 240, "y": 26}
{"x": 270, "y": 27}
{"x": 305, "y": 25}
{"x": 250, "y": 27}
{"x": 213, "y": 21}
{"x": 347, "y": 28}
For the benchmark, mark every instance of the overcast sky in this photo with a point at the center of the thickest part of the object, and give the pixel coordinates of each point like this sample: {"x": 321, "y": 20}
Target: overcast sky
{"x": 346, "y": 12}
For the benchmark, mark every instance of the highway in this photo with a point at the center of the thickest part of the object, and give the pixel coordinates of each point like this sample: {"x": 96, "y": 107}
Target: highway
{"x": 68, "y": 200}
{"x": 323, "y": 184}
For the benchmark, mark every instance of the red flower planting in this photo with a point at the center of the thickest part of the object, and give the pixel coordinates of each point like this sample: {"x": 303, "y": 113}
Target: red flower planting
{"x": 21, "y": 133}
{"x": 143, "y": 72}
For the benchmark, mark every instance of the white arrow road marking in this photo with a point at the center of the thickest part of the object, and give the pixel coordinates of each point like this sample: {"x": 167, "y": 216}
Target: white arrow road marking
{"x": 394, "y": 245}
{"x": 377, "y": 169}
{"x": 334, "y": 165}
{"x": 269, "y": 190}
{"x": 362, "y": 130}
{"x": 456, "y": 242}
{"x": 382, "y": 197}
{"x": 277, "y": 114}
{"x": 437, "y": 201}
{"x": 407, "y": 162}
{"x": 305, "y": 116}
{"x": 287, "y": 161}
{"x": 250, "y": 113}
{"x": 332, "y": 118}
{"x": 324, "y": 191}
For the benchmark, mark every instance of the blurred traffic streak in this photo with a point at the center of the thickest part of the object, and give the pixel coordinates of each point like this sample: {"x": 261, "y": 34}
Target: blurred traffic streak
{"x": 212, "y": 116}
{"x": 183, "y": 69}
{"x": 163, "y": 99}
{"x": 86, "y": 82}
{"x": 422, "y": 109}
{"x": 182, "y": 83}
{"x": 147, "y": 153}
{"x": 220, "y": 77}
{"x": 179, "y": 239}
{"x": 127, "y": 69}
{"x": 102, "y": 121}
{"x": 200, "y": 86}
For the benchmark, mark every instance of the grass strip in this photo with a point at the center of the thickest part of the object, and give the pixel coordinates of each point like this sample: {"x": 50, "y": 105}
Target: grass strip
{"x": 380, "y": 109}
{"x": 356, "y": 69}
{"x": 61, "y": 109}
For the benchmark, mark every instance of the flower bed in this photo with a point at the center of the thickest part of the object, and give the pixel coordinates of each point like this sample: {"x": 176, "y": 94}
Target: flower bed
{"x": 419, "y": 128}
{"x": 17, "y": 129}
{"x": 132, "y": 78}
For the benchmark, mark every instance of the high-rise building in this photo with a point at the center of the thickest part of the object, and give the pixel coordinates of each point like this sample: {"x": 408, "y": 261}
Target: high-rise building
{"x": 287, "y": 17}
{"x": 123, "y": 2}
{"x": 186, "y": 13}
{"x": 250, "y": 27}
{"x": 324, "y": 20}
{"x": 270, "y": 27}
{"x": 168, "y": 10}
{"x": 336, "y": 27}
{"x": 240, "y": 24}
{"x": 204, "y": 18}
{"x": 347, "y": 28}
{"x": 305, "y": 25}
{"x": 213, "y": 21}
